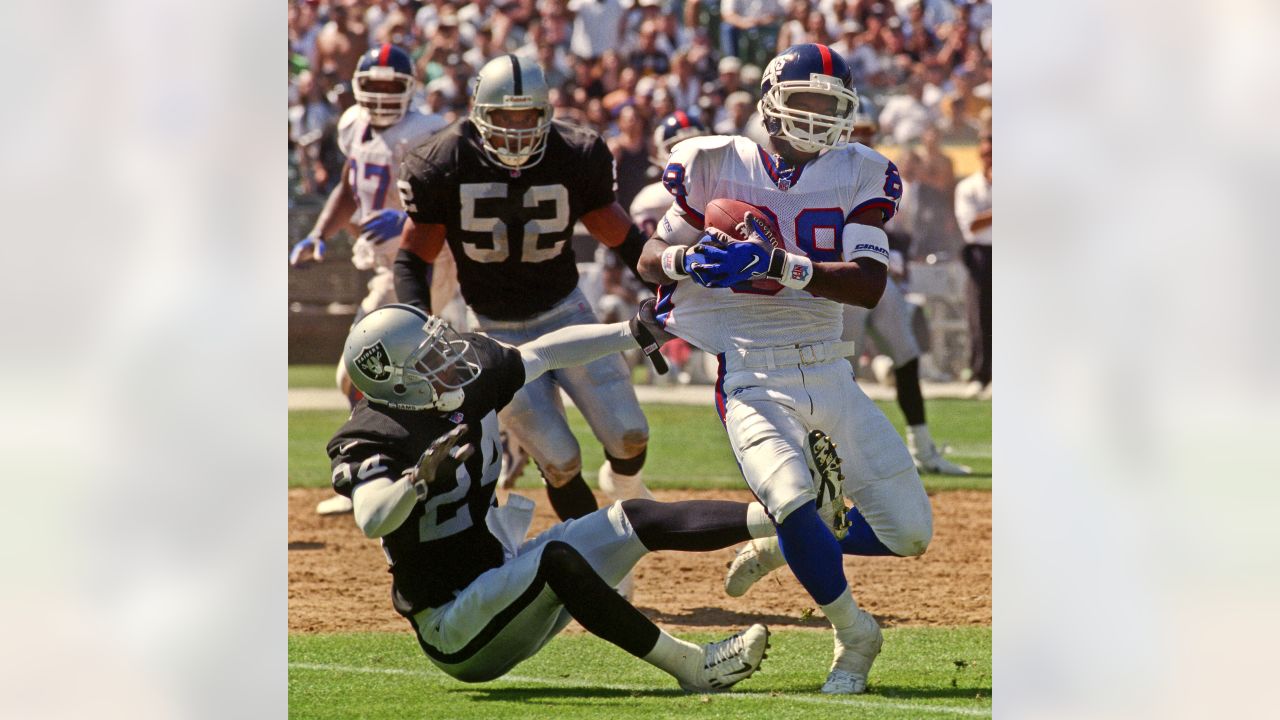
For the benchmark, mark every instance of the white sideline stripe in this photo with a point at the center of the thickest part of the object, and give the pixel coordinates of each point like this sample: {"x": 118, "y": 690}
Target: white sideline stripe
{"x": 816, "y": 700}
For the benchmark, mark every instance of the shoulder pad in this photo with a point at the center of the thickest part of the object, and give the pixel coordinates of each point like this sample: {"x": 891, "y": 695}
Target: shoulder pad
{"x": 686, "y": 151}
{"x": 349, "y": 116}
{"x": 860, "y": 152}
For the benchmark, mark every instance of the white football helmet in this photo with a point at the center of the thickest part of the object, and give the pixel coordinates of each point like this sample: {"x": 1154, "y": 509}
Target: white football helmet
{"x": 808, "y": 68}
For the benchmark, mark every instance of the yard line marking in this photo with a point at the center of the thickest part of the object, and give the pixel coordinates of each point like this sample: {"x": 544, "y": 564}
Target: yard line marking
{"x": 817, "y": 700}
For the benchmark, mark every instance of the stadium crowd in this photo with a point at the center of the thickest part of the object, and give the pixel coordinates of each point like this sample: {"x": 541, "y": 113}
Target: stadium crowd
{"x": 922, "y": 69}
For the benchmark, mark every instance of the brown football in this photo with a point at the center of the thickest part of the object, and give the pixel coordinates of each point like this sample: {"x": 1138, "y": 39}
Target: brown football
{"x": 726, "y": 215}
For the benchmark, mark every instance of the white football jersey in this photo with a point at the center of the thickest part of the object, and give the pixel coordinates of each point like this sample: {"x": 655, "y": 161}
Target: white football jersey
{"x": 810, "y": 206}
{"x": 373, "y": 166}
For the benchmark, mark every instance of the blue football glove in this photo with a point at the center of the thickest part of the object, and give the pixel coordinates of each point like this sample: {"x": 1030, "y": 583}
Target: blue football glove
{"x": 700, "y": 263}
{"x": 307, "y": 251}
{"x": 743, "y": 261}
{"x": 384, "y": 225}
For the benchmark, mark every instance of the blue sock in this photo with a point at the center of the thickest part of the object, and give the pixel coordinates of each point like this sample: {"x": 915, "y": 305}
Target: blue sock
{"x": 813, "y": 553}
{"x": 861, "y": 539}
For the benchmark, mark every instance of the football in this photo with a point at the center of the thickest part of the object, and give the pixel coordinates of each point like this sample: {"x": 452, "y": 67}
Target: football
{"x": 726, "y": 215}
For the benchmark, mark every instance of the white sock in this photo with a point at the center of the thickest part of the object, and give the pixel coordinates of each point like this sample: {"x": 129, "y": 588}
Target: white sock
{"x": 758, "y": 522}
{"x": 843, "y": 611}
{"x": 918, "y": 438}
{"x": 679, "y": 658}
{"x": 622, "y": 487}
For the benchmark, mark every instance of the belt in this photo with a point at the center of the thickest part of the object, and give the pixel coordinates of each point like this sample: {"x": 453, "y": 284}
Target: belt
{"x": 775, "y": 357}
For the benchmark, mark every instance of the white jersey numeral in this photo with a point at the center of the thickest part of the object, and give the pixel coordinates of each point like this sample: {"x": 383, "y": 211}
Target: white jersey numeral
{"x": 498, "y": 248}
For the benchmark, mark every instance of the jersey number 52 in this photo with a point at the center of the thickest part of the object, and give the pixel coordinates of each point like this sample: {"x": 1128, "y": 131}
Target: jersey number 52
{"x": 488, "y": 208}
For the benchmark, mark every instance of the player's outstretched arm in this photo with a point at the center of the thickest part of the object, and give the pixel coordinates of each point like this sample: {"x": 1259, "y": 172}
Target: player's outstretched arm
{"x": 419, "y": 246}
{"x": 580, "y": 344}
{"x": 338, "y": 209}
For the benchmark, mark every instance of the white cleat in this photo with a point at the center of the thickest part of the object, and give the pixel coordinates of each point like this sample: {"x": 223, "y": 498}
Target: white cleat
{"x": 730, "y": 661}
{"x": 754, "y": 560}
{"x": 335, "y": 505}
{"x": 935, "y": 463}
{"x": 856, "y": 648}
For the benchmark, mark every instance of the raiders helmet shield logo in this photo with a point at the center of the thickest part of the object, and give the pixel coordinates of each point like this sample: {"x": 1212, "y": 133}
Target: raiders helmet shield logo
{"x": 374, "y": 363}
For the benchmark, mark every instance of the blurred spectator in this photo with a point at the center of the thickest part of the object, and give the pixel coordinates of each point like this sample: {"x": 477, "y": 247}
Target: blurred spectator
{"x": 740, "y": 106}
{"x": 482, "y": 49}
{"x": 905, "y": 117}
{"x": 919, "y": 40}
{"x": 749, "y": 29}
{"x": 929, "y": 175}
{"x": 553, "y": 67}
{"x": 597, "y": 27}
{"x": 973, "y": 213}
{"x": 304, "y": 27}
{"x": 626, "y": 92}
{"x": 847, "y": 43}
{"x": 338, "y": 48}
{"x": 377, "y": 12}
{"x": 557, "y": 22}
{"x": 312, "y": 123}
{"x": 793, "y": 25}
{"x": 683, "y": 82}
{"x": 646, "y": 57}
{"x": 630, "y": 148}
{"x": 663, "y": 103}
{"x": 962, "y": 107}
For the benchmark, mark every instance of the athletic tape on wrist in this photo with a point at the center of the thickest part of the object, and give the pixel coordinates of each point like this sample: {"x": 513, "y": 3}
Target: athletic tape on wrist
{"x": 793, "y": 271}
{"x": 673, "y": 262}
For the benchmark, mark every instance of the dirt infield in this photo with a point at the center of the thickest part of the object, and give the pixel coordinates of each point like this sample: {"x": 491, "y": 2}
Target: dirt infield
{"x": 338, "y": 579}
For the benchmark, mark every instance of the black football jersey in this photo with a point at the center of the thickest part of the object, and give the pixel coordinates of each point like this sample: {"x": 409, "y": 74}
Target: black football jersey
{"x": 444, "y": 544}
{"x": 509, "y": 230}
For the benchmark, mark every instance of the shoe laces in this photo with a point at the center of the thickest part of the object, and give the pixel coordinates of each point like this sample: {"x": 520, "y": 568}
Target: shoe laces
{"x": 723, "y": 651}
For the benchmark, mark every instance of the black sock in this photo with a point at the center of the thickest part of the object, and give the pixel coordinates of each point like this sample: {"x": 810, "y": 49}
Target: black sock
{"x": 909, "y": 397}
{"x": 693, "y": 525}
{"x": 627, "y": 466}
{"x": 596, "y": 606}
{"x": 573, "y": 499}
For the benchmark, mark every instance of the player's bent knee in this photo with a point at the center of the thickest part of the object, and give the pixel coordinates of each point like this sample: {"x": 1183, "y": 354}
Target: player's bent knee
{"x": 910, "y": 542}
{"x": 634, "y": 442}
{"x": 560, "y": 562}
{"x": 559, "y": 475}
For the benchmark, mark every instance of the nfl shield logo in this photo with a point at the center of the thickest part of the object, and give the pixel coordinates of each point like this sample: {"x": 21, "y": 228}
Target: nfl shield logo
{"x": 784, "y": 184}
{"x": 373, "y": 362}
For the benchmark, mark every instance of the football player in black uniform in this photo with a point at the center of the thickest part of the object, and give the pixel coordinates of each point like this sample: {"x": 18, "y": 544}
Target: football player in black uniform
{"x": 505, "y": 187}
{"x": 420, "y": 458}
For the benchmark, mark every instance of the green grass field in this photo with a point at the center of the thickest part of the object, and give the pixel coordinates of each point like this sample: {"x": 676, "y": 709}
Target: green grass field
{"x": 922, "y": 673}
{"x": 687, "y": 444}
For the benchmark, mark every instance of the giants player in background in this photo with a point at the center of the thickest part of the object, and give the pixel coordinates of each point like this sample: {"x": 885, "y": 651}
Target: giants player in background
{"x": 775, "y": 321}
{"x": 375, "y": 134}
{"x": 890, "y": 323}
{"x": 504, "y": 188}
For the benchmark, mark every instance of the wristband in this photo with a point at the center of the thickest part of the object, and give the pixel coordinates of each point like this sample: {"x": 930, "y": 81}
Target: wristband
{"x": 789, "y": 269}
{"x": 673, "y": 262}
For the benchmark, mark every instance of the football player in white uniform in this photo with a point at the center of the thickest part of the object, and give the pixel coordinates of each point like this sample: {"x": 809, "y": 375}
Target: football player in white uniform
{"x": 785, "y": 392}
{"x": 375, "y": 134}
{"x": 890, "y": 323}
